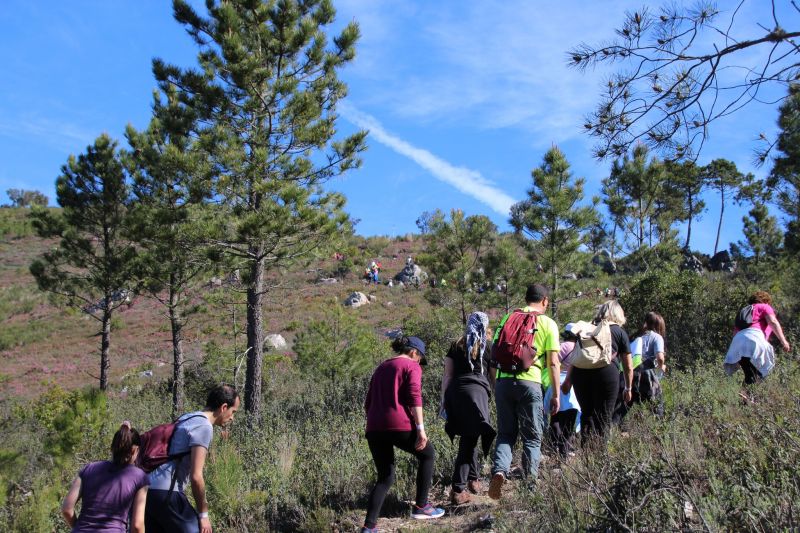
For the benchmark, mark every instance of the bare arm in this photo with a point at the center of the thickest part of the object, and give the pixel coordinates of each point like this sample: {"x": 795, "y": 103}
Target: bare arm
{"x": 567, "y": 384}
{"x": 137, "y": 512}
{"x": 422, "y": 437}
{"x": 68, "y": 505}
{"x": 661, "y": 361}
{"x": 772, "y": 320}
{"x": 627, "y": 366}
{"x": 554, "y": 363}
{"x": 447, "y": 376}
{"x": 198, "y": 461}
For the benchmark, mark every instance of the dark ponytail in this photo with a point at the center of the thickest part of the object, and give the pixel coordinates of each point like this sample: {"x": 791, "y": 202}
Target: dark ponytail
{"x": 400, "y": 345}
{"x": 122, "y": 446}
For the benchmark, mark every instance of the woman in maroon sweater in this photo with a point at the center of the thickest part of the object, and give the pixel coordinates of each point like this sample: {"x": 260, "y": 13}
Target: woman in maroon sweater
{"x": 394, "y": 419}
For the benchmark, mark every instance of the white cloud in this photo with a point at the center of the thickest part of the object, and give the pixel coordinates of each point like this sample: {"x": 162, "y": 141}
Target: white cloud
{"x": 466, "y": 180}
{"x": 491, "y": 64}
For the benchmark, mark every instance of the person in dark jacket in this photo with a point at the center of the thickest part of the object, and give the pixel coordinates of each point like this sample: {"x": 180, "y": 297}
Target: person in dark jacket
{"x": 465, "y": 404}
{"x": 394, "y": 420}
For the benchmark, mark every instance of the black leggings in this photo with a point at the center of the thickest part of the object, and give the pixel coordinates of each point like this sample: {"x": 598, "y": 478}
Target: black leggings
{"x": 596, "y": 390}
{"x": 466, "y": 467}
{"x": 382, "y": 445}
{"x": 751, "y": 375}
{"x": 562, "y": 430}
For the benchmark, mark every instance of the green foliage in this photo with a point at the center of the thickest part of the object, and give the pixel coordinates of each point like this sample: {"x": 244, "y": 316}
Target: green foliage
{"x": 93, "y": 259}
{"x": 82, "y": 415}
{"x": 682, "y": 297}
{"x": 553, "y": 216}
{"x": 455, "y": 251}
{"x": 722, "y": 176}
{"x": 23, "y": 198}
{"x": 763, "y": 238}
{"x": 785, "y": 175}
{"x": 15, "y": 223}
{"x": 337, "y": 347}
{"x": 267, "y": 119}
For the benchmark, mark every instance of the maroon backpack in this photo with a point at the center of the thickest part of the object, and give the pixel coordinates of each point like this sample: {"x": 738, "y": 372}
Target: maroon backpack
{"x": 514, "y": 351}
{"x": 154, "y": 445}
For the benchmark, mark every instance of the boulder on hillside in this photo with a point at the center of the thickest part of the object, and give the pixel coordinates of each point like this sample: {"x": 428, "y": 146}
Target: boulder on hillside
{"x": 603, "y": 259}
{"x": 357, "y": 299}
{"x": 411, "y": 274}
{"x": 327, "y": 281}
{"x": 275, "y": 342}
{"x": 692, "y": 263}
{"x": 722, "y": 262}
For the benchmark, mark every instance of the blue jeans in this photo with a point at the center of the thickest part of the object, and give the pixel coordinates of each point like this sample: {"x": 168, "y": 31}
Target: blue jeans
{"x": 519, "y": 412}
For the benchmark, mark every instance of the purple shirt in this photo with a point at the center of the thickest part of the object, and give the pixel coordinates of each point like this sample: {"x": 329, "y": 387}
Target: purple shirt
{"x": 107, "y": 491}
{"x": 395, "y": 388}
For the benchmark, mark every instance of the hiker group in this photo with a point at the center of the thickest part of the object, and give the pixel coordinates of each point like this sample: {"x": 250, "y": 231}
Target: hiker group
{"x": 584, "y": 379}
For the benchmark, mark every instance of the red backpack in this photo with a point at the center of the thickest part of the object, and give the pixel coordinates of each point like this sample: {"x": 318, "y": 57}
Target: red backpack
{"x": 514, "y": 351}
{"x": 154, "y": 445}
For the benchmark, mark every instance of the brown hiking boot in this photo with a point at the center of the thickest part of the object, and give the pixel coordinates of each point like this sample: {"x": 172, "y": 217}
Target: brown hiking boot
{"x": 496, "y": 485}
{"x": 460, "y": 498}
{"x": 474, "y": 486}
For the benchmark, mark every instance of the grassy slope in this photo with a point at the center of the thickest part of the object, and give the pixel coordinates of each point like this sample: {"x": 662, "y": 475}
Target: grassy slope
{"x": 43, "y": 344}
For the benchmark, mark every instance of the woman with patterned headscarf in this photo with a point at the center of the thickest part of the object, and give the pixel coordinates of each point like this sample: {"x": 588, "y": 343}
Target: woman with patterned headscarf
{"x": 465, "y": 404}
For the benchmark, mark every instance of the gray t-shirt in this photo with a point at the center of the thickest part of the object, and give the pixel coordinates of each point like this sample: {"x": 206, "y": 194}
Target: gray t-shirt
{"x": 652, "y": 343}
{"x": 191, "y": 431}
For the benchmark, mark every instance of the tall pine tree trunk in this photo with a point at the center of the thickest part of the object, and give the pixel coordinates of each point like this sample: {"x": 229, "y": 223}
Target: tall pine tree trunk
{"x": 689, "y": 226}
{"x": 177, "y": 351}
{"x": 721, "y": 212}
{"x": 255, "y": 334}
{"x": 105, "y": 343}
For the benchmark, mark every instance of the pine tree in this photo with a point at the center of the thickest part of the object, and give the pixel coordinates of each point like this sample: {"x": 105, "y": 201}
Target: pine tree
{"x": 92, "y": 265}
{"x": 762, "y": 236}
{"x": 265, "y": 96}
{"x": 686, "y": 182}
{"x": 171, "y": 223}
{"x": 456, "y": 251}
{"x": 552, "y": 214}
{"x": 785, "y": 175}
{"x": 722, "y": 176}
{"x": 640, "y": 185}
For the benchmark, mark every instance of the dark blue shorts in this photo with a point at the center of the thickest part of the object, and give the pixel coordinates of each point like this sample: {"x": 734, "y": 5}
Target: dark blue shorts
{"x": 169, "y": 512}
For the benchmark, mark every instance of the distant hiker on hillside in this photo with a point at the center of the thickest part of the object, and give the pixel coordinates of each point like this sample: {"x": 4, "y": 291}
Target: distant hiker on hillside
{"x": 595, "y": 374}
{"x": 563, "y": 424}
{"x": 465, "y": 404}
{"x": 750, "y": 348}
{"x": 168, "y": 510}
{"x": 111, "y": 490}
{"x": 648, "y": 358}
{"x": 394, "y": 420}
{"x": 525, "y": 354}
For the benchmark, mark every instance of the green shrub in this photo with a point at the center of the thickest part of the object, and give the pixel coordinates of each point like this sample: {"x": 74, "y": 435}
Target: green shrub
{"x": 337, "y": 347}
{"x": 698, "y": 311}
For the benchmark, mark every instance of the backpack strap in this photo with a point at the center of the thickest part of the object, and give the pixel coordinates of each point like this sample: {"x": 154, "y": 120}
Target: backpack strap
{"x": 174, "y": 458}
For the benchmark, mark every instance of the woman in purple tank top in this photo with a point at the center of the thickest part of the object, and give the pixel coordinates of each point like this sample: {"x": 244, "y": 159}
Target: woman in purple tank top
{"x": 111, "y": 491}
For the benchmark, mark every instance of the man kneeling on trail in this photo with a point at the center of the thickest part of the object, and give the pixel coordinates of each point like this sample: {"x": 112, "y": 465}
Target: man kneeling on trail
{"x": 168, "y": 510}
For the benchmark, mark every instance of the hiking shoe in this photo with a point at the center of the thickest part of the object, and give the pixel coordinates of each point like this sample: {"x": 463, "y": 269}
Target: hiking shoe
{"x": 369, "y": 529}
{"x": 427, "y": 512}
{"x": 496, "y": 485}
{"x": 460, "y": 498}
{"x": 474, "y": 486}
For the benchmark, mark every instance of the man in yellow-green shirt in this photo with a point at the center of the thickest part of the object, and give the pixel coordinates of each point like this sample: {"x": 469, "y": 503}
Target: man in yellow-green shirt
{"x": 519, "y": 396}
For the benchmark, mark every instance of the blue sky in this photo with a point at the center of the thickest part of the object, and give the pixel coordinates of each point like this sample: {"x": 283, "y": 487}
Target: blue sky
{"x": 463, "y": 98}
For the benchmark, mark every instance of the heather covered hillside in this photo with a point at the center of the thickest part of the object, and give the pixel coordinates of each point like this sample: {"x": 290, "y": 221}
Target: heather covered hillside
{"x": 267, "y": 199}
{"x": 302, "y": 464}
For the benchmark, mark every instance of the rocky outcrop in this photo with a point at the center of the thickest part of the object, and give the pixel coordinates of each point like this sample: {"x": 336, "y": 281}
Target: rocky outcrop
{"x": 275, "y": 342}
{"x": 605, "y": 262}
{"x": 356, "y": 299}
{"x": 722, "y": 262}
